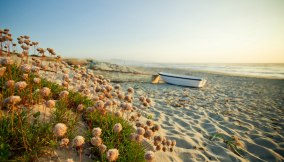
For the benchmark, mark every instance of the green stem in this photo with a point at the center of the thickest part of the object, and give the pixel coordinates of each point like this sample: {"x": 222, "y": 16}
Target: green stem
{"x": 12, "y": 118}
{"x": 23, "y": 132}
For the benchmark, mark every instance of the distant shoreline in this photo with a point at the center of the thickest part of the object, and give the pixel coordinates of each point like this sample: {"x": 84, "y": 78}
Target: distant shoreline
{"x": 158, "y": 69}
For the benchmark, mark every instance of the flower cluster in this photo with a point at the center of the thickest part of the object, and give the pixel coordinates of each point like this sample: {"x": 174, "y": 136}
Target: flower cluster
{"x": 59, "y": 129}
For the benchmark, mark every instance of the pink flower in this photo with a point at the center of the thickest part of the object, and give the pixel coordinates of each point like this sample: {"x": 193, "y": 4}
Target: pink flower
{"x": 173, "y": 142}
{"x": 50, "y": 103}
{"x": 80, "y": 107}
{"x": 142, "y": 99}
{"x": 25, "y": 68}
{"x": 132, "y": 136}
{"x": 65, "y": 84}
{"x": 139, "y": 138}
{"x": 25, "y": 76}
{"x": 117, "y": 127}
{"x": 36, "y": 80}
{"x": 64, "y": 142}
{"x": 117, "y": 86}
{"x": 35, "y": 69}
{"x": 21, "y": 85}
{"x": 130, "y": 90}
{"x": 100, "y": 104}
{"x": 63, "y": 94}
{"x": 140, "y": 131}
{"x": 10, "y": 83}
{"x": 96, "y": 132}
{"x": 149, "y": 156}
{"x": 118, "y": 114}
{"x": 6, "y": 61}
{"x": 112, "y": 154}
{"x": 96, "y": 141}
{"x": 108, "y": 103}
{"x": 59, "y": 129}
{"x": 2, "y": 71}
{"x": 45, "y": 91}
{"x": 12, "y": 100}
{"x": 78, "y": 141}
{"x": 148, "y": 134}
{"x": 149, "y": 123}
{"x": 102, "y": 148}
{"x": 156, "y": 127}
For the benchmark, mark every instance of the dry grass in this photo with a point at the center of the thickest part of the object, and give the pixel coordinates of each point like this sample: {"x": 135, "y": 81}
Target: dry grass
{"x": 74, "y": 61}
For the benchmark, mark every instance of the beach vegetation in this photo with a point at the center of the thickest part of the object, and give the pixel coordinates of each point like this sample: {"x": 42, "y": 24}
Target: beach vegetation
{"x": 26, "y": 136}
{"x": 39, "y": 117}
{"x": 233, "y": 143}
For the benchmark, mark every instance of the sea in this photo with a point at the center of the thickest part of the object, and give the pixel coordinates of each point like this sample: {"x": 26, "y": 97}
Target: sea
{"x": 260, "y": 70}
{"x": 253, "y": 70}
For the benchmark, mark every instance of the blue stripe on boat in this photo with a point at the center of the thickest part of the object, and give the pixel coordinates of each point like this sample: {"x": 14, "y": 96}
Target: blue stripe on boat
{"x": 180, "y": 77}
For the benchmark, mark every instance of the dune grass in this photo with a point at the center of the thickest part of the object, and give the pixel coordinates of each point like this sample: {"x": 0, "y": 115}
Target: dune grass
{"x": 26, "y": 137}
{"x": 132, "y": 151}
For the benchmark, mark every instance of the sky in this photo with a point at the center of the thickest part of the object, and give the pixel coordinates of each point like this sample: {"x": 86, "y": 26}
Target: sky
{"x": 166, "y": 31}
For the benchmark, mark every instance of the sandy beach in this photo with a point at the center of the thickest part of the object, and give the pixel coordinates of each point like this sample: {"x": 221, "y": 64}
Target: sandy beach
{"x": 250, "y": 109}
{"x": 232, "y": 118}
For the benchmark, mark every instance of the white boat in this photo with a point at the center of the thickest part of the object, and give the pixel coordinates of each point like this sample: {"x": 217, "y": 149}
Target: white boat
{"x": 183, "y": 80}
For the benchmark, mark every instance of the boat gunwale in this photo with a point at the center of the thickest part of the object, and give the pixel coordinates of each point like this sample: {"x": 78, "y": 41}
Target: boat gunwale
{"x": 180, "y": 77}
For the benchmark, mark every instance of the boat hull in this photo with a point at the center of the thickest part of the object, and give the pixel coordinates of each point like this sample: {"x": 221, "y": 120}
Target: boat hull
{"x": 187, "y": 81}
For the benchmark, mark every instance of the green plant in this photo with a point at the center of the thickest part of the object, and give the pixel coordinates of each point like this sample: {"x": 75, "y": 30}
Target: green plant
{"x": 23, "y": 136}
{"x": 231, "y": 142}
{"x": 28, "y": 138}
{"x": 128, "y": 150}
{"x": 26, "y": 143}
{"x": 150, "y": 117}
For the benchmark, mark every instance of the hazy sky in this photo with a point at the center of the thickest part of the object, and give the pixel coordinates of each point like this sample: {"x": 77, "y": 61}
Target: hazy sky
{"x": 194, "y": 31}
